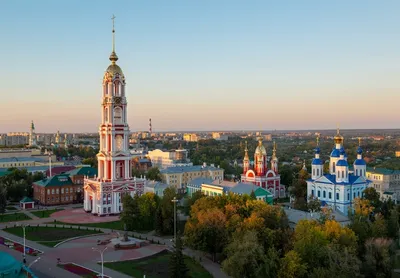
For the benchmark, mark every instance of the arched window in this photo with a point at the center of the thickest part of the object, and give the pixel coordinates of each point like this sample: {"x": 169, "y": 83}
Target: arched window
{"x": 317, "y": 172}
{"x": 343, "y": 174}
{"x": 334, "y": 167}
{"x": 106, "y": 114}
{"x": 117, "y": 115}
{"x": 313, "y": 172}
{"x": 117, "y": 88}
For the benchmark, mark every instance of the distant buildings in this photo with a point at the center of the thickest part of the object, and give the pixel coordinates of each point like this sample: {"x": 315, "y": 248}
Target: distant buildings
{"x": 180, "y": 177}
{"x": 386, "y": 182}
{"x": 155, "y": 187}
{"x": 219, "y": 136}
{"x": 339, "y": 187}
{"x": 259, "y": 174}
{"x": 190, "y": 137}
{"x": 172, "y": 158}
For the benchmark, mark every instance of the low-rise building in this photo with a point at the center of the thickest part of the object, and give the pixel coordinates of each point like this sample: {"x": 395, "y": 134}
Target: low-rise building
{"x": 211, "y": 187}
{"x": 385, "y": 181}
{"x": 155, "y": 187}
{"x": 172, "y": 158}
{"x": 179, "y": 177}
{"x": 62, "y": 189}
{"x": 190, "y": 137}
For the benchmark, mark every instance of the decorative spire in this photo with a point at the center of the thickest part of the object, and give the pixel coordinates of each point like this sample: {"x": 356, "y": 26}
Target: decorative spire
{"x": 318, "y": 140}
{"x": 338, "y": 129}
{"x": 246, "y": 153}
{"x": 113, "y": 56}
{"x": 359, "y": 141}
{"x": 274, "y": 150}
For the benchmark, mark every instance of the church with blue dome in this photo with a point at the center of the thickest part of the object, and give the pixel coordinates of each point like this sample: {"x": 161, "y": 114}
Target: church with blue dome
{"x": 338, "y": 188}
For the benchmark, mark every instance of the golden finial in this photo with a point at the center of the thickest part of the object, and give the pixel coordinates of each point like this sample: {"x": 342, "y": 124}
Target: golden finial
{"x": 274, "y": 146}
{"x": 338, "y": 129}
{"x": 245, "y": 145}
{"x": 359, "y": 141}
{"x": 318, "y": 139}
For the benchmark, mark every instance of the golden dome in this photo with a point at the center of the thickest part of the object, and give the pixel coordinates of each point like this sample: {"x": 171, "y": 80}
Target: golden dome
{"x": 338, "y": 138}
{"x": 113, "y": 69}
{"x": 260, "y": 150}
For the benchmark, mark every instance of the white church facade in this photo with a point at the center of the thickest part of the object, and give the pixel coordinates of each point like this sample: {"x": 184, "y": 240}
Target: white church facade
{"x": 103, "y": 194}
{"x": 339, "y": 187}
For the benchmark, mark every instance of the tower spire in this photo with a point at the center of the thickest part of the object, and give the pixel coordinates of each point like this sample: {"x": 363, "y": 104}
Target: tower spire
{"x": 246, "y": 154}
{"x": 113, "y": 56}
{"x": 274, "y": 150}
{"x": 359, "y": 141}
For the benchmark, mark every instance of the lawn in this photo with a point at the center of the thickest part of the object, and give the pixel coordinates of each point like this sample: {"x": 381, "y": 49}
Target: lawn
{"x": 13, "y": 217}
{"x": 156, "y": 266}
{"x": 49, "y": 236}
{"x": 11, "y": 208}
{"x": 45, "y": 213}
{"x": 80, "y": 271}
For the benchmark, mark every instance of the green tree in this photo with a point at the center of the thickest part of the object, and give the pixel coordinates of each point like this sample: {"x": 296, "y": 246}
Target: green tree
{"x": 393, "y": 224}
{"x": 147, "y": 206}
{"x": 192, "y": 200}
{"x": 245, "y": 257}
{"x": 377, "y": 258}
{"x": 167, "y": 211}
{"x": 313, "y": 205}
{"x": 92, "y": 161}
{"x": 291, "y": 266}
{"x": 153, "y": 174}
{"x": 3, "y": 198}
{"x": 372, "y": 195}
{"x": 379, "y": 227}
{"x": 178, "y": 268}
{"x": 130, "y": 212}
{"x": 253, "y": 195}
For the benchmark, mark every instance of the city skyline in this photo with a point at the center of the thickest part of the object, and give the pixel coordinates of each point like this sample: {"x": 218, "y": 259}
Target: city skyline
{"x": 203, "y": 65}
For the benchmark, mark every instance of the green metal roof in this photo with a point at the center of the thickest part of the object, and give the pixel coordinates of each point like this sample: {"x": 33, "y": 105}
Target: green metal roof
{"x": 383, "y": 171}
{"x": 83, "y": 171}
{"x": 57, "y": 180}
{"x": 26, "y": 200}
{"x": 4, "y": 173}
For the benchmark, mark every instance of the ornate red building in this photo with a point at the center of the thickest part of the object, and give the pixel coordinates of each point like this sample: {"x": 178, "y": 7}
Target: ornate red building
{"x": 259, "y": 174}
{"x": 103, "y": 194}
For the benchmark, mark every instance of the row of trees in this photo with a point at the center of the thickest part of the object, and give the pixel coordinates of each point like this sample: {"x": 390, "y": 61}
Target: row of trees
{"x": 152, "y": 173}
{"x": 17, "y": 184}
{"x": 149, "y": 212}
{"x": 253, "y": 239}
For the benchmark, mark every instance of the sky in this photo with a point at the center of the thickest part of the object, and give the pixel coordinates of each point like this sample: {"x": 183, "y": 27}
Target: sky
{"x": 202, "y": 64}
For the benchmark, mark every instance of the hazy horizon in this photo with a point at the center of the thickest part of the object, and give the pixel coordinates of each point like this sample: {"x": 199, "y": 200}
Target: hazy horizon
{"x": 203, "y": 65}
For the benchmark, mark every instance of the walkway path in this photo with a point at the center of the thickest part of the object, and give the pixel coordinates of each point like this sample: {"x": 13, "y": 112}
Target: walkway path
{"x": 30, "y": 214}
{"x": 47, "y": 266}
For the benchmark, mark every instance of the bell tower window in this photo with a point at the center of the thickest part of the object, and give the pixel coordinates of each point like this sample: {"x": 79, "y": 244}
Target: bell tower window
{"x": 118, "y": 115}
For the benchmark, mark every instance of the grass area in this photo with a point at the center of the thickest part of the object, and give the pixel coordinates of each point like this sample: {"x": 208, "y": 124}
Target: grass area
{"x": 45, "y": 213}
{"x": 49, "y": 236}
{"x": 13, "y": 217}
{"x": 115, "y": 225}
{"x": 11, "y": 208}
{"x": 157, "y": 266}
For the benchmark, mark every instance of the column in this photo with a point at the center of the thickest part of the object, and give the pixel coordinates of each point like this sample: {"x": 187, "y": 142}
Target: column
{"x": 85, "y": 203}
{"x": 113, "y": 173}
{"x": 127, "y": 169}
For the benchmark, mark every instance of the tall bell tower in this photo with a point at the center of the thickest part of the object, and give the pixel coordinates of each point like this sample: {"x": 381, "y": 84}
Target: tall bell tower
{"x": 114, "y": 155}
{"x": 104, "y": 192}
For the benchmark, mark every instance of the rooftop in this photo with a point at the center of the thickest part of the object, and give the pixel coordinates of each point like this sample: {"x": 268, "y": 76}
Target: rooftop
{"x": 186, "y": 169}
{"x": 21, "y": 159}
{"x": 82, "y": 171}
{"x": 383, "y": 171}
{"x": 57, "y": 180}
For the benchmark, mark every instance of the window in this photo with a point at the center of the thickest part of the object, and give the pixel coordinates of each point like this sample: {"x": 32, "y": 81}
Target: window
{"x": 317, "y": 172}
{"x": 354, "y": 195}
{"x": 48, "y": 191}
{"x": 330, "y": 195}
{"x": 104, "y": 210}
{"x": 313, "y": 172}
{"x": 52, "y": 191}
{"x": 358, "y": 194}
{"x": 333, "y": 166}
{"x": 348, "y": 196}
{"x": 312, "y": 192}
{"x": 337, "y": 196}
{"x": 62, "y": 190}
{"x": 324, "y": 194}
{"x": 319, "y": 193}
{"x": 66, "y": 190}
{"x": 109, "y": 209}
{"x": 57, "y": 191}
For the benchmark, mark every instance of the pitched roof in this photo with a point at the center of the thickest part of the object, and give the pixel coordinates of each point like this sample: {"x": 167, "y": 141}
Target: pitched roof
{"x": 187, "y": 169}
{"x": 197, "y": 182}
{"x": 83, "y": 171}
{"x": 57, "y": 180}
{"x": 244, "y": 188}
{"x": 383, "y": 171}
{"x": 156, "y": 185}
{"x": 26, "y": 200}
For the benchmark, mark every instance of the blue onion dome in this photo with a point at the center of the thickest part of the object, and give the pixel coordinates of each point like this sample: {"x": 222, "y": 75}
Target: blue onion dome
{"x": 335, "y": 153}
{"x": 359, "y": 150}
{"x": 342, "y": 162}
{"x": 317, "y": 150}
{"x": 360, "y": 162}
{"x": 317, "y": 161}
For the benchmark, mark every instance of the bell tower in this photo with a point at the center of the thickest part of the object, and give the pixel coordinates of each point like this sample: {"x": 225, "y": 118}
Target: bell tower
{"x": 114, "y": 155}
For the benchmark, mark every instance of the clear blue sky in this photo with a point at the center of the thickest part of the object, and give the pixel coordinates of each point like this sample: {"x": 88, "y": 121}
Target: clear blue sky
{"x": 202, "y": 64}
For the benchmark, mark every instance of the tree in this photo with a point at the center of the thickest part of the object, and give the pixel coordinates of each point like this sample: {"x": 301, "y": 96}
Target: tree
{"x": 92, "y": 161}
{"x": 147, "y": 206}
{"x": 130, "y": 212}
{"x": 291, "y": 266}
{"x": 3, "y": 198}
{"x": 167, "y": 211}
{"x": 372, "y": 196}
{"x": 253, "y": 195}
{"x": 314, "y": 204}
{"x": 377, "y": 259}
{"x": 192, "y": 200}
{"x": 178, "y": 268}
{"x": 245, "y": 257}
{"x": 153, "y": 174}
{"x": 362, "y": 208}
{"x": 378, "y": 227}
{"x": 393, "y": 224}
{"x": 206, "y": 231}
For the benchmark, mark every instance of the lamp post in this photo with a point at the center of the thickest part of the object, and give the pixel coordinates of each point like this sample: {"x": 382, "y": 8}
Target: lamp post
{"x": 23, "y": 226}
{"x": 50, "y": 153}
{"x": 102, "y": 259}
{"x": 174, "y": 201}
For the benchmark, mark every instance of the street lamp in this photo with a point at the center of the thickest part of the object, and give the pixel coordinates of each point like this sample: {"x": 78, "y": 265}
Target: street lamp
{"x": 23, "y": 226}
{"x": 102, "y": 258}
{"x": 174, "y": 201}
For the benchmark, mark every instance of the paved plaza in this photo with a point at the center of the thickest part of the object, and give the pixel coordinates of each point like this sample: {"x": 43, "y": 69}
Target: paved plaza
{"x": 79, "y": 216}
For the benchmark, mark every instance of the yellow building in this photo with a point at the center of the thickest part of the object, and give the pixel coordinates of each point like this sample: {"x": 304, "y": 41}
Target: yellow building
{"x": 190, "y": 137}
{"x": 179, "y": 177}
